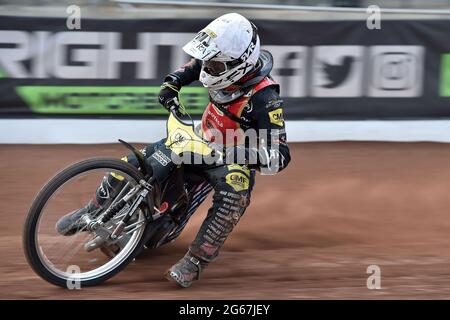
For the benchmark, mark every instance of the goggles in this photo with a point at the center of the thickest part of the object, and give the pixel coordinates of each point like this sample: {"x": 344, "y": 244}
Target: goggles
{"x": 214, "y": 67}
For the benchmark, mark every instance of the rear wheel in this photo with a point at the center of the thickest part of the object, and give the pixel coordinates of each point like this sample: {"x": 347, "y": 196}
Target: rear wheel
{"x": 65, "y": 260}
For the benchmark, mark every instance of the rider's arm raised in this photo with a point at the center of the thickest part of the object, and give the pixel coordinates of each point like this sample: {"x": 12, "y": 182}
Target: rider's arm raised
{"x": 185, "y": 75}
{"x": 177, "y": 79}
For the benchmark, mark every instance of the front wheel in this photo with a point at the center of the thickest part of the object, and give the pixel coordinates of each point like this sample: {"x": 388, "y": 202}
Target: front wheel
{"x": 67, "y": 260}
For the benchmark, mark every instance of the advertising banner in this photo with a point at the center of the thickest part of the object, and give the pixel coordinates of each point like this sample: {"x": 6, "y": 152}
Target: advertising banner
{"x": 330, "y": 70}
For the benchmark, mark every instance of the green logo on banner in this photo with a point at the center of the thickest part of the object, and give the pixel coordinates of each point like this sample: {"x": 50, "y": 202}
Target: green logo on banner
{"x": 444, "y": 89}
{"x": 3, "y": 73}
{"x": 106, "y": 100}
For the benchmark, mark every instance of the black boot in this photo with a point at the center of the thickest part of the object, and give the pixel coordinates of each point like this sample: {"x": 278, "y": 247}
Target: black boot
{"x": 73, "y": 222}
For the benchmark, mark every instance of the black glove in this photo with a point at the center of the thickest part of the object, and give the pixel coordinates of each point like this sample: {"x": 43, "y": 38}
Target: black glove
{"x": 168, "y": 96}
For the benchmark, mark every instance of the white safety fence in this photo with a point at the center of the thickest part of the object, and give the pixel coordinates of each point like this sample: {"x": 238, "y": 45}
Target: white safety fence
{"x": 80, "y": 131}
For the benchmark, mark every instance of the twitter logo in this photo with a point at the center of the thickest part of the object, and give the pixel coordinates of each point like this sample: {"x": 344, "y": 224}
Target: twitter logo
{"x": 337, "y": 73}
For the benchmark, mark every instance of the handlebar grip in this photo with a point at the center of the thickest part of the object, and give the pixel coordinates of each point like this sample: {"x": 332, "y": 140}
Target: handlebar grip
{"x": 173, "y": 103}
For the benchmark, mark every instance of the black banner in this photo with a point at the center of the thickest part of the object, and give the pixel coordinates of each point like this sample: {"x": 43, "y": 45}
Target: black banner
{"x": 232, "y": 309}
{"x": 327, "y": 70}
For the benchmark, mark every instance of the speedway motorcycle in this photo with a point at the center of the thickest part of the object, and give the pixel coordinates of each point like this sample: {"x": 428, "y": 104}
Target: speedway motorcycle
{"x": 150, "y": 210}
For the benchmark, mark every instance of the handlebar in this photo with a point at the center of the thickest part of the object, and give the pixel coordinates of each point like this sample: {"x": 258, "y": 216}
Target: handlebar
{"x": 173, "y": 109}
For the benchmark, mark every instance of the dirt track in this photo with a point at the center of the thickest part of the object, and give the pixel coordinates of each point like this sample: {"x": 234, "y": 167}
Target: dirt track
{"x": 310, "y": 232}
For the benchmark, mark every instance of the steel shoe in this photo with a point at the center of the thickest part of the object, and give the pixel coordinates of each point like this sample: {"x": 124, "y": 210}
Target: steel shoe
{"x": 185, "y": 271}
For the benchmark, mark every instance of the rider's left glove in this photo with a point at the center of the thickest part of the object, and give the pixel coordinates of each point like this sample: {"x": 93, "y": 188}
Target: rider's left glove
{"x": 168, "y": 95}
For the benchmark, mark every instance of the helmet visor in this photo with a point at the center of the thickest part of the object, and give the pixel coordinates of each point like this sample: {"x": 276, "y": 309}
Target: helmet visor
{"x": 202, "y": 47}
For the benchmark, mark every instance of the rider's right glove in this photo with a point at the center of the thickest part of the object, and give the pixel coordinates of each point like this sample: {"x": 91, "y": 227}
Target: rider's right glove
{"x": 168, "y": 96}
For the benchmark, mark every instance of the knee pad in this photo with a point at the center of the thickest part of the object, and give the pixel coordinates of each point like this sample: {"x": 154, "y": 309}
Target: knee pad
{"x": 238, "y": 178}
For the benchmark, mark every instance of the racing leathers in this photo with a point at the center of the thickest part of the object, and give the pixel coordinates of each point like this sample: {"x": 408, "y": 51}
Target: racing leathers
{"x": 252, "y": 103}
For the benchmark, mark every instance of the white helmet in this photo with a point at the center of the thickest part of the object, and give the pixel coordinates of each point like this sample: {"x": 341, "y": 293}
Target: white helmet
{"x": 229, "y": 48}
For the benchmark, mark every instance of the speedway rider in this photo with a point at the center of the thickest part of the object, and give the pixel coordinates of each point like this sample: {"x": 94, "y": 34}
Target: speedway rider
{"x": 228, "y": 61}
